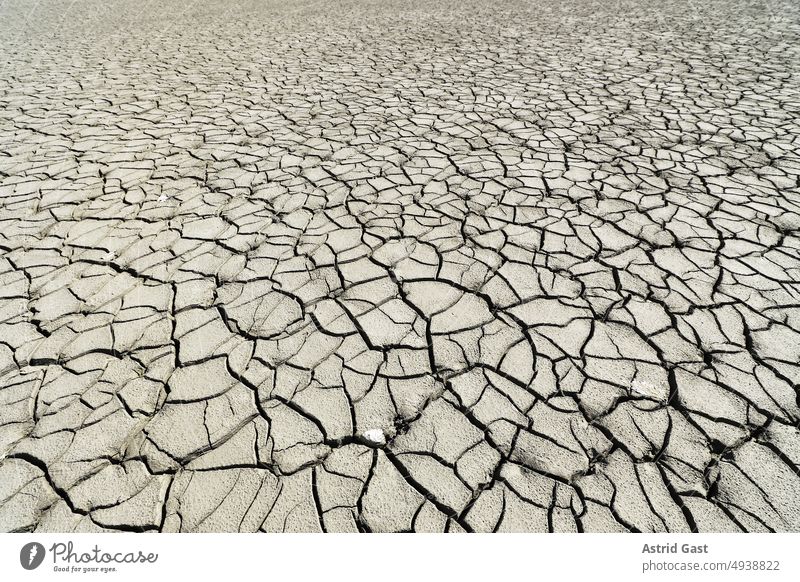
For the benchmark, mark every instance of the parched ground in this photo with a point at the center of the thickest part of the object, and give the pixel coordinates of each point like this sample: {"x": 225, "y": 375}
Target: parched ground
{"x": 399, "y": 265}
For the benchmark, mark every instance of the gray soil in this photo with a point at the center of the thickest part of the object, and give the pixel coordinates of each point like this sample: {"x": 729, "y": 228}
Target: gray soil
{"x": 399, "y": 265}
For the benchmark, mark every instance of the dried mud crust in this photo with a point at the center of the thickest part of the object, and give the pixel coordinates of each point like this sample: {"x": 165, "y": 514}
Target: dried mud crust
{"x": 392, "y": 266}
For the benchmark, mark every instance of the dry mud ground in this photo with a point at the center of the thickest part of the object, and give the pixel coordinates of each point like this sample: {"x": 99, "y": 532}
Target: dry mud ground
{"x": 390, "y": 266}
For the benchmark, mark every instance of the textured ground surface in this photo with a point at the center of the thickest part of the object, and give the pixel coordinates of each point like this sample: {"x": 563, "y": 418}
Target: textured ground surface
{"x": 383, "y": 266}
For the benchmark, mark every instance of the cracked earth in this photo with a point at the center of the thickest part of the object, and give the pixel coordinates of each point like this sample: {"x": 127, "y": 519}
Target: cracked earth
{"x": 399, "y": 266}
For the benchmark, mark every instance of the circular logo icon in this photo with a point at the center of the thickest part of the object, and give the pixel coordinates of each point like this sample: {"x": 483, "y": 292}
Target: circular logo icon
{"x": 31, "y": 555}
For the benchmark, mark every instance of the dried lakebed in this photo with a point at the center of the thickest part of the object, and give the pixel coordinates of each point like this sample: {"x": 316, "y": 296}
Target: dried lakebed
{"x": 399, "y": 266}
